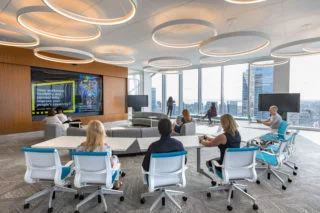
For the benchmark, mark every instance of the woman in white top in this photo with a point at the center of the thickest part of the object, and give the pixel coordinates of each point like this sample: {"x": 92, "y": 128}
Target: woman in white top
{"x": 95, "y": 143}
{"x": 62, "y": 117}
{"x": 53, "y": 119}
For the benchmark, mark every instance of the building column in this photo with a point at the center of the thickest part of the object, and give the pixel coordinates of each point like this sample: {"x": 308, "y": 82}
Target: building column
{"x": 199, "y": 90}
{"x": 222, "y": 91}
{"x": 164, "y": 94}
{"x": 180, "y": 93}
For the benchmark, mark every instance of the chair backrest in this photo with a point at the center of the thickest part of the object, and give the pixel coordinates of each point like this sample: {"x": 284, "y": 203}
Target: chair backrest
{"x": 52, "y": 131}
{"x": 188, "y": 128}
{"x": 42, "y": 164}
{"x": 292, "y": 143}
{"x": 167, "y": 169}
{"x": 282, "y": 129}
{"x": 92, "y": 168}
{"x": 283, "y": 151}
{"x": 239, "y": 164}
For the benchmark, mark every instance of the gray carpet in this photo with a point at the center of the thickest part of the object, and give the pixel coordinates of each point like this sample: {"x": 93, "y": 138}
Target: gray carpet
{"x": 302, "y": 195}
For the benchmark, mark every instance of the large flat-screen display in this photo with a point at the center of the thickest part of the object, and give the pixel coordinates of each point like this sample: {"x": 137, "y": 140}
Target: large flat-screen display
{"x": 79, "y": 94}
{"x": 137, "y": 101}
{"x": 286, "y": 102}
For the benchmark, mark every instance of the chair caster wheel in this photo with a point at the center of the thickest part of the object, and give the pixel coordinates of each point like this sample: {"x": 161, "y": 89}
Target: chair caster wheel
{"x": 184, "y": 198}
{"x": 99, "y": 198}
{"x": 123, "y": 174}
{"x": 213, "y": 183}
{"x": 295, "y": 167}
{"x": 26, "y": 206}
{"x": 208, "y": 194}
{"x": 245, "y": 190}
{"x": 255, "y": 207}
{"x": 229, "y": 208}
{"x": 258, "y": 181}
{"x": 50, "y": 210}
{"x": 289, "y": 180}
{"x": 294, "y": 173}
{"x": 163, "y": 201}
{"x": 53, "y": 195}
{"x": 81, "y": 197}
{"x": 284, "y": 187}
{"x": 269, "y": 175}
{"x": 142, "y": 200}
{"x": 76, "y": 196}
{"x": 69, "y": 186}
{"x": 121, "y": 198}
{"x": 76, "y": 211}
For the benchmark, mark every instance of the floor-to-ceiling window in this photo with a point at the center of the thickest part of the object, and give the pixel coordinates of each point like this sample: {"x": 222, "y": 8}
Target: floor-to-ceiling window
{"x": 156, "y": 93}
{"x": 190, "y": 90}
{"x": 211, "y": 88}
{"x": 261, "y": 83}
{"x": 134, "y": 84}
{"x": 236, "y": 90}
{"x": 172, "y": 89}
{"x": 304, "y": 79}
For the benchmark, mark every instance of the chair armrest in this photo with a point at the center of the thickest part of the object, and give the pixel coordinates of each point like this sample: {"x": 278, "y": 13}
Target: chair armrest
{"x": 69, "y": 163}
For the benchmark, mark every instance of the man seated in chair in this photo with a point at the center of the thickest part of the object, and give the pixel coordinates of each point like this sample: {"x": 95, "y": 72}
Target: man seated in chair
{"x": 275, "y": 119}
{"x": 165, "y": 144}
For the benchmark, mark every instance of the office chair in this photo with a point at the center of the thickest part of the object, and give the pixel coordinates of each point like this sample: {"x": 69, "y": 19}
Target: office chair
{"x": 44, "y": 165}
{"x": 166, "y": 169}
{"x": 238, "y": 164}
{"x": 275, "y": 159}
{"x": 279, "y": 135}
{"x": 94, "y": 170}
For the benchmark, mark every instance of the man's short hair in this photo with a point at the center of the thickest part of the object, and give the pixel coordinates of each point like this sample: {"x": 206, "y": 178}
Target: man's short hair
{"x": 274, "y": 107}
{"x": 164, "y": 127}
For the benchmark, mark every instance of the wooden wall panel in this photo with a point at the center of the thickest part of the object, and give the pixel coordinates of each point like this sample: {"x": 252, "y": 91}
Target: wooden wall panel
{"x": 15, "y": 89}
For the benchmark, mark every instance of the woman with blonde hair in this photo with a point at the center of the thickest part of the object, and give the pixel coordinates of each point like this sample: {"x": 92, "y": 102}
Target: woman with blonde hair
{"x": 95, "y": 143}
{"x": 185, "y": 119}
{"x": 229, "y": 139}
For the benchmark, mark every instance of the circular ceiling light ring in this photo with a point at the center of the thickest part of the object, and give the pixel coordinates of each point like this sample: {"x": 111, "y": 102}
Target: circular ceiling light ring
{"x": 311, "y": 50}
{"x": 276, "y": 52}
{"x": 91, "y": 20}
{"x": 276, "y": 62}
{"x": 26, "y": 10}
{"x": 153, "y": 62}
{"x": 122, "y": 62}
{"x": 211, "y": 60}
{"x": 63, "y": 49}
{"x": 149, "y": 69}
{"x": 244, "y": 1}
{"x": 235, "y": 34}
{"x": 23, "y": 32}
{"x": 182, "y": 22}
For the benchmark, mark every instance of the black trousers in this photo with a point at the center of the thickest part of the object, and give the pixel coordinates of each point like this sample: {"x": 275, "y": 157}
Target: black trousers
{"x": 169, "y": 110}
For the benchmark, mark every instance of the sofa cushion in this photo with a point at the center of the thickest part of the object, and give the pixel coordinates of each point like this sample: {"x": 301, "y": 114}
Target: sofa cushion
{"x": 127, "y": 133}
{"x": 150, "y": 132}
{"x": 72, "y": 131}
{"x": 52, "y": 131}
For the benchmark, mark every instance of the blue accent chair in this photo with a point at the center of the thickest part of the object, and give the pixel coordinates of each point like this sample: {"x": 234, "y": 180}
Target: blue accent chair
{"x": 166, "y": 169}
{"x": 44, "y": 165}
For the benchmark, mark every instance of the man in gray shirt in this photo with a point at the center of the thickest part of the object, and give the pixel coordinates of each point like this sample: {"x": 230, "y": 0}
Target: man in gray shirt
{"x": 275, "y": 119}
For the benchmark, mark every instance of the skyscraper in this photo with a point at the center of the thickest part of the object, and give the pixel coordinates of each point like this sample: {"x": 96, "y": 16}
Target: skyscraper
{"x": 153, "y": 100}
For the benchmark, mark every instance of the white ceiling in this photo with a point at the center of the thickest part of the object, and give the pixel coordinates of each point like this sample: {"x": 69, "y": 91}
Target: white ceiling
{"x": 282, "y": 20}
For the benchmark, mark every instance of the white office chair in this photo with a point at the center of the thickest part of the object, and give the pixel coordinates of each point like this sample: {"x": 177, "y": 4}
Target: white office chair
{"x": 166, "y": 169}
{"x": 275, "y": 160}
{"x": 93, "y": 169}
{"x": 43, "y": 165}
{"x": 238, "y": 164}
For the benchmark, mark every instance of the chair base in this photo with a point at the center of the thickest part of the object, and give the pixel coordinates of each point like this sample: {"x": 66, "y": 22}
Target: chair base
{"x": 276, "y": 173}
{"x": 100, "y": 193}
{"x": 231, "y": 188}
{"x": 51, "y": 190}
{"x": 161, "y": 195}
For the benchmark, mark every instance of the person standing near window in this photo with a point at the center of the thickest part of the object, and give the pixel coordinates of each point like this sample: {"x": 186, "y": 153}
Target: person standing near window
{"x": 170, "y": 103}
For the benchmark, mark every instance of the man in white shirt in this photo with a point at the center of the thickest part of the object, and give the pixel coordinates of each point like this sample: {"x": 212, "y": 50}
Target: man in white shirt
{"x": 275, "y": 119}
{"x": 62, "y": 117}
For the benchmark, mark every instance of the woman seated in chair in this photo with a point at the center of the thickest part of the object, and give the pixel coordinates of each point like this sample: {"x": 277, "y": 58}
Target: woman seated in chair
{"x": 186, "y": 119}
{"x": 212, "y": 112}
{"x": 53, "y": 119}
{"x": 229, "y": 139}
{"x": 95, "y": 143}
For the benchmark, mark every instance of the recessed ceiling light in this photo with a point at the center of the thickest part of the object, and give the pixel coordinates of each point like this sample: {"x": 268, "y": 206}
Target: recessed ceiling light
{"x": 34, "y": 9}
{"x": 247, "y": 42}
{"x": 268, "y": 62}
{"x": 33, "y": 43}
{"x": 37, "y": 52}
{"x": 244, "y": 1}
{"x": 295, "y": 48}
{"x": 170, "y": 62}
{"x": 91, "y": 20}
{"x": 187, "y": 24}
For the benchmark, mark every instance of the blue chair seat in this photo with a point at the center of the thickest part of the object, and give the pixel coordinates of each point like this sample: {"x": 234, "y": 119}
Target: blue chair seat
{"x": 273, "y": 148}
{"x": 270, "y": 159}
{"x": 270, "y": 137}
{"x": 65, "y": 172}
